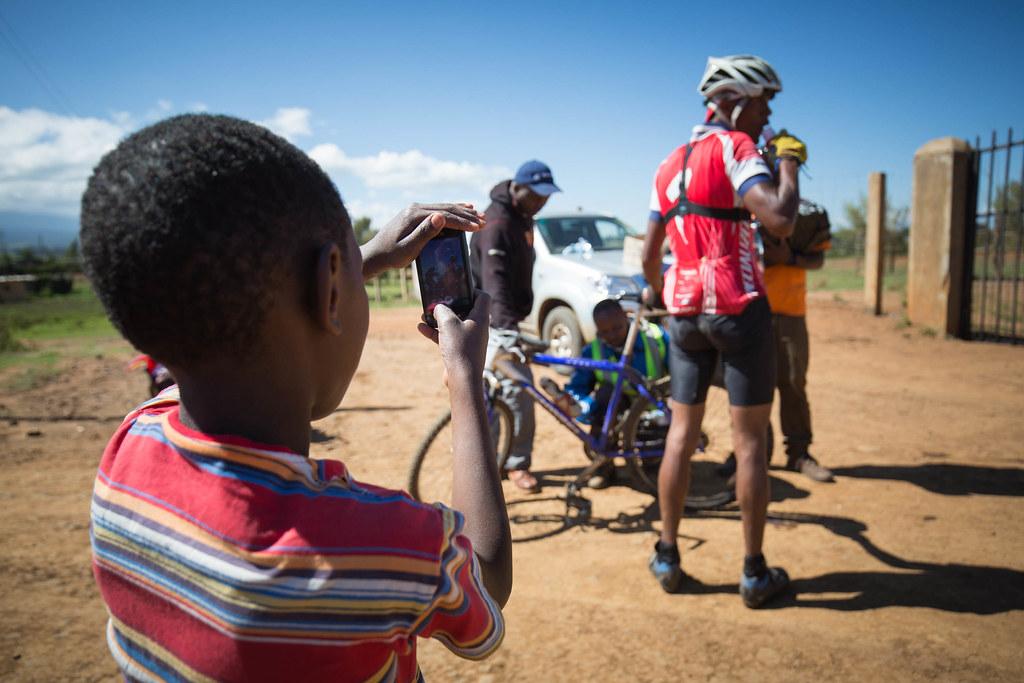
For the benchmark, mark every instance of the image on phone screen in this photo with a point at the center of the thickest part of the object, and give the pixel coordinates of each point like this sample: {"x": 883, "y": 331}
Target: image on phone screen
{"x": 444, "y": 276}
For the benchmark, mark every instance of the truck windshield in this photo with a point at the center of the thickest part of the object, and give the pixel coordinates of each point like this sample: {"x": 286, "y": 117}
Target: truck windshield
{"x": 603, "y": 234}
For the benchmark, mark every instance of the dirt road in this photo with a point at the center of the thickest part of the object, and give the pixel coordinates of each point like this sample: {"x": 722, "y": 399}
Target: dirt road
{"x": 909, "y": 567}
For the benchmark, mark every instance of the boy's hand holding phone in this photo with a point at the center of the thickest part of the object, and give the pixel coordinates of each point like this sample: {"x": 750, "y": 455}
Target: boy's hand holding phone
{"x": 397, "y": 243}
{"x": 463, "y": 343}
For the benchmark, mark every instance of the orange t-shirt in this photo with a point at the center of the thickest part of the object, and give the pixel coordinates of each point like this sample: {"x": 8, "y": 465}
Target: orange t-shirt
{"x": 787, "y": 287}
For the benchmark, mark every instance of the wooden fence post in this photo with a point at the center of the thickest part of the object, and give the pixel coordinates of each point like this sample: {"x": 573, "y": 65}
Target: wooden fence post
{"x": 874, "y": 244}
{"x": 377, "y": 293}
{"x": 403, "y": 284}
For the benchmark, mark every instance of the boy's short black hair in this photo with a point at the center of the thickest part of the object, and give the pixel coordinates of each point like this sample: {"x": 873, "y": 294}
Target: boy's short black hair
{"x": 606, "y": 306}
{"x": 188, "y": 226}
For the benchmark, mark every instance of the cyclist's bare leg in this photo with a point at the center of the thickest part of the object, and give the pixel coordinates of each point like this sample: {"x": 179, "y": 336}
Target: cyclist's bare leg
{"x": 750, "y": 441}
{"x": 674, "y": 473}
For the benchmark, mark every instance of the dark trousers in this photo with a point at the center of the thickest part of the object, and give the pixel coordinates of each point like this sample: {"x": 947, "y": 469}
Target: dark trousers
{"x": 793, "y": 353}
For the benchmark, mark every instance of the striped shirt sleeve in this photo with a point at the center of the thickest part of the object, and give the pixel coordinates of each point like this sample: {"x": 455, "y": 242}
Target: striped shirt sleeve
{"x": 743, "y": 164}
{"x": 462, "y": 615}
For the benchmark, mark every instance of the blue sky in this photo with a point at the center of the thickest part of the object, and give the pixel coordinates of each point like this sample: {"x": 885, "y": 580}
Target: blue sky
{"x": 430, "y": 101}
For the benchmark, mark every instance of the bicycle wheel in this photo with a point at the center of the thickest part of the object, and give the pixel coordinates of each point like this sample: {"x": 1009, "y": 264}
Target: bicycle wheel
{"x": 644, "y": 429}
{"x": 430, "y": 473}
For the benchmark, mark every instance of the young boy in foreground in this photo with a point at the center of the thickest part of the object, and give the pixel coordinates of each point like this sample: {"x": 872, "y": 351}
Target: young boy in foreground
{"x": 221, "y": 550}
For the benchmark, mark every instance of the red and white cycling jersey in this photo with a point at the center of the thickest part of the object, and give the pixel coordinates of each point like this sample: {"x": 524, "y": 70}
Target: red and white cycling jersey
{"x": 716, "y": 266}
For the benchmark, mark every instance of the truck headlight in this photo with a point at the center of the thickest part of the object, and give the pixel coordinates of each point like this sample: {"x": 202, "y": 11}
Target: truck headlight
{"x": 609, "y": 285}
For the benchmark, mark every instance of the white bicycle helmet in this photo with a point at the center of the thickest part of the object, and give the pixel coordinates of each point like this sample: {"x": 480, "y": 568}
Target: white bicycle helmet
{"x": 738, "y": 75}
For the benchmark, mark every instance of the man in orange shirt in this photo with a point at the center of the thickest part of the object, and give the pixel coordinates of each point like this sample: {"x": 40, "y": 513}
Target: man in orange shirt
{"x": 785, "y": 277}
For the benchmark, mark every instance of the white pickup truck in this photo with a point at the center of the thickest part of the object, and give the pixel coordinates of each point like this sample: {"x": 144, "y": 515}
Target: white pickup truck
{"x": 579, "y": 263}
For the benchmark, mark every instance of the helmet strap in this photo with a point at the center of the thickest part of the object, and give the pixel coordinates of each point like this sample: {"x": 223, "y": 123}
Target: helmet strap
{"x": 737, "y": 110}
{"x": 715, "y": 112}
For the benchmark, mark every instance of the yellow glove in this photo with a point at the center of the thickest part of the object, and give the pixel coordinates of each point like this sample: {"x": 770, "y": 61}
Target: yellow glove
{"x": 785, "y": 145}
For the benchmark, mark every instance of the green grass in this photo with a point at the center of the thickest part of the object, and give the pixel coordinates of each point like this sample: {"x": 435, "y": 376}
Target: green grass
{"x": 32, "y": 369}
{"x": 839, "y": 274}
{"x": 78, "y": 314}
{"x": 391, "y": 293}
{"x": 32, "y": 333}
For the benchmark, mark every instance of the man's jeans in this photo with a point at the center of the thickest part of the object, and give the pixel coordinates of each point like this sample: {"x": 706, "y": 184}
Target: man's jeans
{"x": 520, "y": 402}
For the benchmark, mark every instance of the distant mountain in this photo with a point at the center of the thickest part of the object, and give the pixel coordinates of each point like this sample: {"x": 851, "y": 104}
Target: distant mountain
{"x": 19, "y": 230}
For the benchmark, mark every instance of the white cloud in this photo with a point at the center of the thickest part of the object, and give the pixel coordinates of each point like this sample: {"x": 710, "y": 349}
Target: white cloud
{"x": 397, "y": 179}
{"x": 378, "y": 212}
{"x": 162, "y": 109}
{"x": 45, "y": 159}
{"x": 412, "y": 170}
{"x": 289, "y": 122}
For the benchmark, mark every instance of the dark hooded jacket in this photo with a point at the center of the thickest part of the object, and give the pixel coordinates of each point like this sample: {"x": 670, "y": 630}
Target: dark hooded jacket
{"x": 501, "y": 256}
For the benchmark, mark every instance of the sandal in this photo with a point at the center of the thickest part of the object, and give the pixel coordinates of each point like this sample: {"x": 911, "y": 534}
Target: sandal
{"x": 524, "y": 481}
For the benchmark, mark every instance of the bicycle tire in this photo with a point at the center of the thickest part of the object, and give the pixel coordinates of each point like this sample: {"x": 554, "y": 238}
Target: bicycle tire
{"x": 440, "y": 468}
{"x": 708, "y": 491}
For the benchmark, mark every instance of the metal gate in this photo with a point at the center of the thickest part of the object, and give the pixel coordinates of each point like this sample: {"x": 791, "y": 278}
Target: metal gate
{"x": 993, "y": 268}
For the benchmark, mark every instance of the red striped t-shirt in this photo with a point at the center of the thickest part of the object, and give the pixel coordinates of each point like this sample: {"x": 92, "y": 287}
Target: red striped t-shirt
{"x": 223, "y": 559}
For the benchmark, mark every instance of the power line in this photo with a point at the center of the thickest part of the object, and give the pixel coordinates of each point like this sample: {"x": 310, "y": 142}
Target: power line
{"x": 34, "y": 68}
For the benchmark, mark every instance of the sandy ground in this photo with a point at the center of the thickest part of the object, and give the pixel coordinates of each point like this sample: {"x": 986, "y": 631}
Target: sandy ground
{"x": 909, "y": 567}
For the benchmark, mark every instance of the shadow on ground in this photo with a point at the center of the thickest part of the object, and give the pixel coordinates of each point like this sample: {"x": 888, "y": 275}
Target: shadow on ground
{"x": 964, "y": 588}
{"x": 946, "y": 478}
{"x": 537, "y": 517}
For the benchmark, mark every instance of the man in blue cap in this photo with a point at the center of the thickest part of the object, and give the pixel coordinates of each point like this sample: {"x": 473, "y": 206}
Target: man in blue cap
{"x": 501, "y": 256}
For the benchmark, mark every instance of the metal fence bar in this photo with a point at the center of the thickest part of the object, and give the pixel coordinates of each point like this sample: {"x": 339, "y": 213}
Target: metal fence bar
{"x": 998, "y": 218}
{"x": 966, "y": 327}
{"x": 1020, "y": 243}
{"x": 988, "y": 239}
{"x": 999, "y": 252}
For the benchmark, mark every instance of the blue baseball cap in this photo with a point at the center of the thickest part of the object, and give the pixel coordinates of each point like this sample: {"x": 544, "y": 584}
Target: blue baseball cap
{"x": 538, "y": 176}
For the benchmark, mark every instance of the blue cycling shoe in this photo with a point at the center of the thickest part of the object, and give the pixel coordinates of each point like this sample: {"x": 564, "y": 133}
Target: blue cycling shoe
{"x": 757, "y": 591}
{"x": 664, "y": 565}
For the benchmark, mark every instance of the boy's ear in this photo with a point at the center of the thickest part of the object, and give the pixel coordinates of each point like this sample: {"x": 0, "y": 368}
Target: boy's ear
{"x": 328, "y": 288}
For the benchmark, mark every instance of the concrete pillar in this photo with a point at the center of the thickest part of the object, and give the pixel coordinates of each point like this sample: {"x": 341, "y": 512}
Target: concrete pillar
{"x": 874, "y": 243}
{"x": 938, "y": 227}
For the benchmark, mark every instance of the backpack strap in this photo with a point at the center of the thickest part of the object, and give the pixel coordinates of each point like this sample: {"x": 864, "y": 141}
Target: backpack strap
{"x": 685, "y": 206}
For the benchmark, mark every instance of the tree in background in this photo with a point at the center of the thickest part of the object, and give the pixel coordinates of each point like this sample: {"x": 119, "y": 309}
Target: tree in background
{"x": 52, "y": 269}
{"x": 848, "y": 240}
{"x": 1008, "y": 219}
{"x": 362, "y": 229}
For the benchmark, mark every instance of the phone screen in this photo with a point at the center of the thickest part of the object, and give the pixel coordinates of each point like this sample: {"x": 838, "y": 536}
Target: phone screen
{"x": 444, "y": 277}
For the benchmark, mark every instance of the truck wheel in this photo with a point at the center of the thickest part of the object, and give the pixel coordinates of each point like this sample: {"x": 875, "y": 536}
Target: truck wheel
{"x": 562, "y": 331}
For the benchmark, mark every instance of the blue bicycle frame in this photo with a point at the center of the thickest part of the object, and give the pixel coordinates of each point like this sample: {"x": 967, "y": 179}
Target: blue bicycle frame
{"x": 623, "y": 372}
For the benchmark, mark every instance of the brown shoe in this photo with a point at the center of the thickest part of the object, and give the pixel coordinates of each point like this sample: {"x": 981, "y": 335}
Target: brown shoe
{"x": 524, "y": 481}
{"x": 809, "y": 467}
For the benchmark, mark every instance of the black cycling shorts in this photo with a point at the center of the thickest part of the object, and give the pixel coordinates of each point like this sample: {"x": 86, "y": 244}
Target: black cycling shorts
{"x": 746, "y": 347}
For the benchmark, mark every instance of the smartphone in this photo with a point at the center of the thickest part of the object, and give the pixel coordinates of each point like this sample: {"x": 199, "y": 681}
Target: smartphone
{"x": 442, "y": 270}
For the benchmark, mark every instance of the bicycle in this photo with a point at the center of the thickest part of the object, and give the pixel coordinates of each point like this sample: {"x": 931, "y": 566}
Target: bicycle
{"x": 635, "y": 435}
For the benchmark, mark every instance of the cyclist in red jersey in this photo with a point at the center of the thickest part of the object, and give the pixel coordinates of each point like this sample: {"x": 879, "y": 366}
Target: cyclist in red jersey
{"x": 703, "y": 197}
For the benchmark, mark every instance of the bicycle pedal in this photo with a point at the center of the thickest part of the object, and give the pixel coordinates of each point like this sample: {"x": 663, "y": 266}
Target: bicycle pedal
{"x": 574, "y": 501}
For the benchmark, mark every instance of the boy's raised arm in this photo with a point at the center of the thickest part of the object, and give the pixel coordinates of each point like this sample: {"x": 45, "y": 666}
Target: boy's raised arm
{"x": 401, "y": 240}
{"x": 476, "y": 484}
